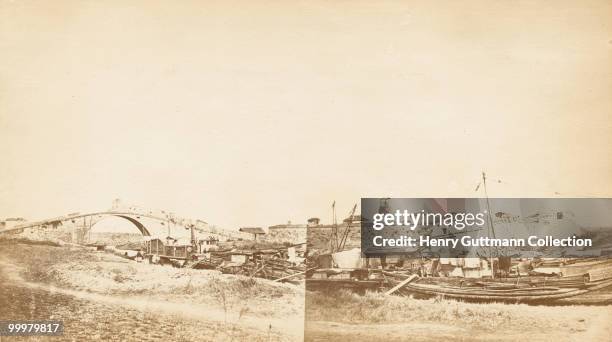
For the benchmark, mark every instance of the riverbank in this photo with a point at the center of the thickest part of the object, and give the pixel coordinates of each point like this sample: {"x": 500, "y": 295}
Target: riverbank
{"x": 110, "y": 294}
{"x": 344, "y": 315}
{"x": 237, "y": 305}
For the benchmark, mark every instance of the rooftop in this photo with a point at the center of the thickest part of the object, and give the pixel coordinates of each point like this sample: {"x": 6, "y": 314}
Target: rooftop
{"x": 252, "y": 230}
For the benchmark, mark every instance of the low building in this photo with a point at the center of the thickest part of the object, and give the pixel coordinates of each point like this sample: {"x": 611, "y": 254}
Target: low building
{"x": 210, "y": 243}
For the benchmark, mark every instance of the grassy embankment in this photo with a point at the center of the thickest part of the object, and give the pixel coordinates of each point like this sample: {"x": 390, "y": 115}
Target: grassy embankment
{"x": 236, "y": 297}
{"x": 472, "y": 318}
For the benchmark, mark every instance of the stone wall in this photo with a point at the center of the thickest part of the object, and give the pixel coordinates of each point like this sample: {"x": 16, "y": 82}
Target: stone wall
{"x": 292, "y": 235}
{"x": 319, "y": 237}
{"x": 54, "y": 233}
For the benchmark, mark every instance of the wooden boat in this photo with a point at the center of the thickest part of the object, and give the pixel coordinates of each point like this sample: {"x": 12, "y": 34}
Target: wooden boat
{"x": 576, "y": 278}
{"x": 499, "y": 291}
{"x": 332, "y": 279}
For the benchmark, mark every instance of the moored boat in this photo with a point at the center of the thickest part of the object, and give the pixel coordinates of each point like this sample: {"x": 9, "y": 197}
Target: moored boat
{"x": 532, "y": 290}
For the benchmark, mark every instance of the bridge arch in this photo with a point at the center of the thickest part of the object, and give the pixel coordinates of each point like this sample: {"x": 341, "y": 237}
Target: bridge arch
{"x": 138, "y": 224}
{"x": 99, "y": 217}
{"x": 146, "y": 222}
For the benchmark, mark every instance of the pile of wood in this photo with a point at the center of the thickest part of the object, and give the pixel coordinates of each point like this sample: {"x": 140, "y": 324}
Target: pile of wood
{"x": 273, "y": 268}
{"x": 207, "y": 264}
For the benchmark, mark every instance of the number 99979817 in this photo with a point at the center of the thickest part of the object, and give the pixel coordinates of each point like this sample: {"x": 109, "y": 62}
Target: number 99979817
{"x": 24, "y": 328}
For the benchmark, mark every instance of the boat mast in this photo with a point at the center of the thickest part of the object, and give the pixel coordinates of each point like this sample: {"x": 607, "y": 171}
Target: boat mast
{"x": 334, "y": 239}
{"x": 491, "y": 228}
{"x": 169, "y": 232}
{"x": 484, "y": 184}
{"x": 344, "y": 235}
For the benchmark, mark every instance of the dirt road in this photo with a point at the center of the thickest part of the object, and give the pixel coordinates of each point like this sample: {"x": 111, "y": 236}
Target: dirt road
{"x": 92, "y": 315}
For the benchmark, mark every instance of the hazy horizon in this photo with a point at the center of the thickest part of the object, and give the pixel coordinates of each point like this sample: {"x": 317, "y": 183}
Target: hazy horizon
{"x": 254, "y": 113}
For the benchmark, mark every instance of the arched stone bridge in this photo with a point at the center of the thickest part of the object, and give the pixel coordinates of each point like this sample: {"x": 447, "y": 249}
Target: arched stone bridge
{"x": 78, "y": 225}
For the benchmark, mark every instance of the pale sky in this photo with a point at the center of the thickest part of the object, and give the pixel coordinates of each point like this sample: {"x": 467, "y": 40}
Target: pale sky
{"x": 252, "y": 113}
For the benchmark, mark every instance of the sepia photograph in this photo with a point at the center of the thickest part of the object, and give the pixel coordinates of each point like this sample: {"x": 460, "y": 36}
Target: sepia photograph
{"x": 305, "y": 170}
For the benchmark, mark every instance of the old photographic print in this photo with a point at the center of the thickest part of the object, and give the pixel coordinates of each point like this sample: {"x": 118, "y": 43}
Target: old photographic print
{"x": 305, "y": 170}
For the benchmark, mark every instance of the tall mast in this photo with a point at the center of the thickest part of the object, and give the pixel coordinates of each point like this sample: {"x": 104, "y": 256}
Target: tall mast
{"x": 334, "y": 239}
{"x": 491, "y": 227}
{"x": 484, "y": 184}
